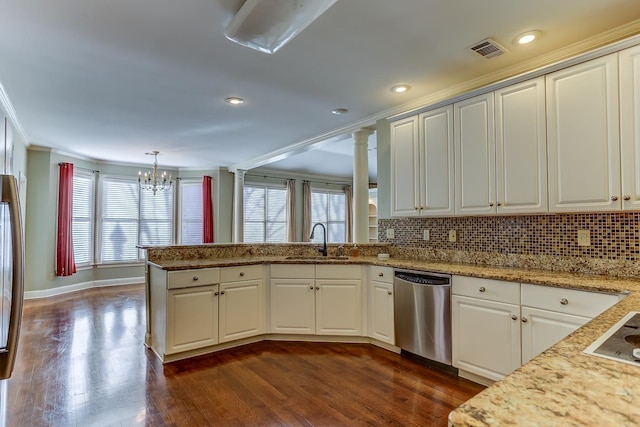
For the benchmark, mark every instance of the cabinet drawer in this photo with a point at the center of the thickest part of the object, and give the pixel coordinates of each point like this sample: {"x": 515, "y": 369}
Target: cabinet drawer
{"x": 338, "y": 272}
{"x": 381, "y": 274}
{"x": 488, "y": 289}
{"x": 195, "y": 277}
{"x": 293, "y": 271}
{"x": 243, "y": 272}
{"x": 569, "y": 301}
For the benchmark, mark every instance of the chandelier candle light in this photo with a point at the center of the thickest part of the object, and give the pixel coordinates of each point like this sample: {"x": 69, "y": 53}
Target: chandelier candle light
{"x": 151, "y": 180}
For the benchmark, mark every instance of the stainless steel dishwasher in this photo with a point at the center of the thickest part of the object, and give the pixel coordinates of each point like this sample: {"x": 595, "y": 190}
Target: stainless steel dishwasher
{"x": 422, "y": 306}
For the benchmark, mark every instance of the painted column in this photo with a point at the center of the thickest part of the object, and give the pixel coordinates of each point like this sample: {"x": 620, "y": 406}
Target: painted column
{"x": 361, "y": 186}
{"x": 238, "y": 206}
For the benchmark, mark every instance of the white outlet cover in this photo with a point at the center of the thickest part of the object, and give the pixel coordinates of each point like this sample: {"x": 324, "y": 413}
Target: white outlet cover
{"x": 453, "y": 236}
{"x": 426, "y": 235}
{"x": 390, "y": 233}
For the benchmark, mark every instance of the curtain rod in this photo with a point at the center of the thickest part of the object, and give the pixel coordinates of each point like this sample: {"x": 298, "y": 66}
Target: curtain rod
{"x": 79, "y": 167}
{"x": 295, "y": 179}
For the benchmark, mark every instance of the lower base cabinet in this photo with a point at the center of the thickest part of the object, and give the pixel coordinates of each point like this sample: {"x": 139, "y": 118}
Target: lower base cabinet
{"x": 381, "y": 310}
{"x": 241, "y": 312}
{"x": 192, "y": 318}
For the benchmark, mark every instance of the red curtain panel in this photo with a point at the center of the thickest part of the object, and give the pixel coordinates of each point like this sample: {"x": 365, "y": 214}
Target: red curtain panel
{"x": 65, "y": 261}
{"x": 207, "y": 211}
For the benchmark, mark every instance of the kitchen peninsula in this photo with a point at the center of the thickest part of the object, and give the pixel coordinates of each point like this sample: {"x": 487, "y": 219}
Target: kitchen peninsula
{"x": 561, "y": 386}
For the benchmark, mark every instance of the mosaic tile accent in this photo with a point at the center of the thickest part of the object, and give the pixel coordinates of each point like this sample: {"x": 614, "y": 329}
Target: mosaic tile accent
{"x": 513, "y": 240}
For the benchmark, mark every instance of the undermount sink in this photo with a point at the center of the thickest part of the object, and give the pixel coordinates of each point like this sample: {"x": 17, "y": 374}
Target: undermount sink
{"x": 316, "y": 257}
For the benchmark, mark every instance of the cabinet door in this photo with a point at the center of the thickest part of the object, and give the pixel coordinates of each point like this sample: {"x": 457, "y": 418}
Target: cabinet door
{"x": 521, "y": 148}
{"x": 241, "y": 310}
{"x": 405, "y": 160}
{"x": 583, "y": 137}
{"x": 630, "y": 126}
{"x": 541, "y": 329}
{"x": 486, "y": 336}
{"x": 192, "y": 318}
{"x": 437, "y": 162}
{"x": 293, "y": 307}
{"x": 474, "y": 140}
{"x": 381, "y": 312}
{"x": 338, "y": 307}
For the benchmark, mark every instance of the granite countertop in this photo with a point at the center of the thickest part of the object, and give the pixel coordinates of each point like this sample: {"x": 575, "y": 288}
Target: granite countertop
{"x": 561, "y": 386}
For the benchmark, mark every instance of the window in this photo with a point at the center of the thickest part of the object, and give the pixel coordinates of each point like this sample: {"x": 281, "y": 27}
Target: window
{"x": 265, "y": 214}
{"x": 82, "y": 227}
{"x": 328, "y": 207}
{"x": 190, "y": 212}
{"x": 156, "y": 217}
{"x": 119, "y": 220}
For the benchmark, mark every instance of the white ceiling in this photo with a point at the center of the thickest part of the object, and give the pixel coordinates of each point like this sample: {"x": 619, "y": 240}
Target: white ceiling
{"x": 114, "y": 79}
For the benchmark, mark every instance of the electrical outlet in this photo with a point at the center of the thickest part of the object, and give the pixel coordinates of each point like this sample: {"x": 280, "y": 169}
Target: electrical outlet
{"x": 453, "y": 236}
{"x": 426, "y": 235}
{"x": 584, "y": 237}
{"x": 390, "y": 233}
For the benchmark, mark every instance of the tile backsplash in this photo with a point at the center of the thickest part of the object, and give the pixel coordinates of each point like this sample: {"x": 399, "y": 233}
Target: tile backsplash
{"x": 540, "y": 241}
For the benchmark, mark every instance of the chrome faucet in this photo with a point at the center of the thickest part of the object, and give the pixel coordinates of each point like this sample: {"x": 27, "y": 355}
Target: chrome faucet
{"x": 323, "y": 251}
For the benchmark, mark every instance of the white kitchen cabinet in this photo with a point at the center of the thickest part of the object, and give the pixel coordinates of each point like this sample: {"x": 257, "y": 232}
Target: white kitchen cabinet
{"x": 381, "y": 305}
{"x": 426, "y": 186}
{"x": 293, "y": 300}
{"x": 549, "y": 314}
{"x": 521, "y": 148}
{"x": 583, "y": 137}
{"x": 192, "y": 318}
{"x": 242, "y": 303}
{"x": 629, "y": 63}
{"x": 474, "y": 145}
{"x": 485, "y": 326}
{"x": 405, "y": 167}
{"x": 184, "y": 308}
{"x": 339, "y": 300}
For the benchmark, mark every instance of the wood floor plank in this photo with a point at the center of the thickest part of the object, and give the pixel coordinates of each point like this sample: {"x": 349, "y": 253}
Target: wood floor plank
{"x": 81, "y": 362}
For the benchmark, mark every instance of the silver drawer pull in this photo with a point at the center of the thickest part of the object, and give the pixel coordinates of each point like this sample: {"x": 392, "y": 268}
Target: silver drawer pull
{"x": 524, "y": 320}
{"x": 380, "y": 274}
{"x": 222, "y": 293}
{"x": 241, "y": 273}
{"x": 482, "y": 289}
{"x": 195, "y": 278}
{"x": 514, "y": 317}
{"x": 389, "y": 292}
{"x": 564, "y": 301}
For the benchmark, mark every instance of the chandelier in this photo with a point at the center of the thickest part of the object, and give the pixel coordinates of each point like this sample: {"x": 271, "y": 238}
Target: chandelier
{"x": 152, "y": 180}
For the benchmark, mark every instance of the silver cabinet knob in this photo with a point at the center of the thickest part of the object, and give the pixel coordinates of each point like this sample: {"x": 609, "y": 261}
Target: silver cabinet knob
{"x": 482, "y": 289}
{"x": 614, "y": 198}
{"x": 524, "y": 320}
{"x": 514, "y": 317}
{"x": 389, "y": 292}
{"x": 241, "y": 273}
{"x": 195, "y": 278}
{"x": 499, "y": 204}
{"x": 627, "y": 197}
{"x": 490, "y": 203}
{"x": 317, "y": 288}
{"x": 311, "y": 287}
{"x": 221, "y": 292}
{"x": 216, "y": 294}
{"x": 564, "y": 301}
{"x": 380, "y": 274}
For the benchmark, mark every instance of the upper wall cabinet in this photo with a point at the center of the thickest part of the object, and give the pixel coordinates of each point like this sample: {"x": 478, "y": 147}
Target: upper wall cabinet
{"x": 582, "y": 137}
{"x": 474, "y": 142}
{"x": 521, "y": 148}
{"x": 629, "y": 61}
{"x": 422, "y": 164}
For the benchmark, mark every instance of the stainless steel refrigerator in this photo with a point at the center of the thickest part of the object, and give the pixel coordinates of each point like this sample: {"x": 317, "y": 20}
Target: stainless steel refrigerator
{"x": 11, "y": 256}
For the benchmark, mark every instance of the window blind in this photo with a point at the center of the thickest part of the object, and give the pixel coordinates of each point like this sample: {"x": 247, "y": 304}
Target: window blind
{"x": 328, "y": 208}
{"x": 156, "y": 217}
{"x": 119, "y": 220}
{"x": 190, "y": 213}
{"x": 82, "y": 226}
{"x": 265, "y": 214}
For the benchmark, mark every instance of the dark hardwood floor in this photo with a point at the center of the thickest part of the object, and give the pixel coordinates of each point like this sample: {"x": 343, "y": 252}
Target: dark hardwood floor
{"x": 81, "y": 362}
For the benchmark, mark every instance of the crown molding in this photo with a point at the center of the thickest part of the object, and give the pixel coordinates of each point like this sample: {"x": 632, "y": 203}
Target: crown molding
{"x": 7, "y": 106}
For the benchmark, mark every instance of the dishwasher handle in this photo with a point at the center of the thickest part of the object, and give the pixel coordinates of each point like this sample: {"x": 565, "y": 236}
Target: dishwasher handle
{"x": 423, "y": 279}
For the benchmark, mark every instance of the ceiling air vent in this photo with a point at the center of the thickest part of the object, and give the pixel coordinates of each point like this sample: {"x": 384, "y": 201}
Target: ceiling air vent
{"x": 488, "y": 48}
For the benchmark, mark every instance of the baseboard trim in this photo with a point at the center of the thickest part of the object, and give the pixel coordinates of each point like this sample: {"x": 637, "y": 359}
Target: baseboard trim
{"x": 475, "y": 378}
{"x": 48, "y": 293}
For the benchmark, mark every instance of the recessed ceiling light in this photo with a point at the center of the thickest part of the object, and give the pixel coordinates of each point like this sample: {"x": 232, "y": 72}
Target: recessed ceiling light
{"x": 528, "y": 37}
{"x": 400, "y": 88}
{"x": 339, "y": 111}
{"x": 234, "y": 100}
